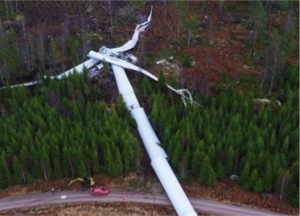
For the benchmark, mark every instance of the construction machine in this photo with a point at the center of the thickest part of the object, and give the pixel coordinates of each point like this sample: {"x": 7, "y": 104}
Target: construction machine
{"x": 88, "y": 182}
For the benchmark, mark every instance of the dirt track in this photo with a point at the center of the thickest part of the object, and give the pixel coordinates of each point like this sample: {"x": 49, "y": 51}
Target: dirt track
{"x": 200, "y": 205}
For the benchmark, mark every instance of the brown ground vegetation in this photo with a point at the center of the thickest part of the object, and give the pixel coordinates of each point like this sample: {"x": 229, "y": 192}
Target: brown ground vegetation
{"x": 227, "y": 191}
{"x": 94, "y": 209}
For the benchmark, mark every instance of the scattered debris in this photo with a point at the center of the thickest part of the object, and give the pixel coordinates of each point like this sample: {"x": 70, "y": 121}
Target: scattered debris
{"x": 63, "y": 197}
{"x": 234, "y": 177}
{"x": 266, "y": 101}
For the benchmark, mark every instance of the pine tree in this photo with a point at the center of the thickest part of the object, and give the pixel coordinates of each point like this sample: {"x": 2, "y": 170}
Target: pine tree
{"x": 122, "y": 109}
{"x": 118, "y": 162}
{"x": 176, "y": 156}
{"x": 293, "y": 185}
{"x": 229, "y": 161}
{"x": 160, "y": 86}
{"x": 29, "y": 178}
{"x": 10, "y": 53}
{"x": 68, "y": 167}
{"x": 285, "y": 146}
{"x": 136, "y": 154}
{"x": 37, "y": 172}
{"x": 79, "y": 157}
{"x": 95, "y": 162}
{"x": 212, "y": 153}
{"x": 253, "y": 179}
{"x": 24, "y": 162}
{"x": 207, "y": 175}
{"x": 267, "y": 177}
{"x": 188, "y": 156}
{"x": 220, "y": 171}
{"x": 211, "y": 177}
{"x": 272, "y": 143}
{"x": 57, "y": 169}
{"x": 244, "y": 178}
{"x": 4, "y": 173}
{"x": 45, "y": 163}
{"x": 110, "y": 163}
{"x": 258, "y": 187}
{"x": 16, "y": 171}
{"x": 81, "y": 169}
{"x": 196, "y": 162}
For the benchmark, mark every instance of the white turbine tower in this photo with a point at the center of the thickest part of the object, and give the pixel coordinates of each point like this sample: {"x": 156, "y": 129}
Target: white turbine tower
{"x": 120, "y": 61}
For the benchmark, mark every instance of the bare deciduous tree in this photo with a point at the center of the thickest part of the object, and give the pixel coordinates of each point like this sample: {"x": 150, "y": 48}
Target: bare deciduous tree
{"x": 111, "y": 18}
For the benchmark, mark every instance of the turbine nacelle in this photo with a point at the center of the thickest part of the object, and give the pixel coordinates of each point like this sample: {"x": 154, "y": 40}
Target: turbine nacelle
{"x": 116, "y": 56}
{"x": 124, "y": 56}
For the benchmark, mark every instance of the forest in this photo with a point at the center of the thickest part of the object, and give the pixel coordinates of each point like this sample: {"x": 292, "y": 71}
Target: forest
{"x": 65, "y": 129}
{"x": 232, "y": 134}
{"x": 228, "y": 55}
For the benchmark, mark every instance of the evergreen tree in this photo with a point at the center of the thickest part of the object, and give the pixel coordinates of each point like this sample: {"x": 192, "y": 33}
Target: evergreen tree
{"x": 293, "y": 185}
{"x": 176, "y": 156}
{"x": 4, "y": 173}
{"x": 220, "y": 171}
{"x": 118, "y": 162}
{"x": 57, "y": 169}
{"x": 212, "y": 153}
{"x": 258, "y": 187}
{"x": 81, "y": 169}
{"x": 37, "y": 172}
{"x": 16, "y": 171}
{"x": 95, "y": 162}
{"x": 267, "y": 177}
{"x": 122, "y": 109}
{"x": 188, "y": 156}
{"x": 244, "y": 178}
{"x": 207, "y": 175}
{"x": 229, "y": 161}
{"x": 161, "y": 84}
{"x": 45, "y": 163}
{"x": 196, "y": 162}
{"x": 253, "y": 180}
{"x": 111, "y": 165}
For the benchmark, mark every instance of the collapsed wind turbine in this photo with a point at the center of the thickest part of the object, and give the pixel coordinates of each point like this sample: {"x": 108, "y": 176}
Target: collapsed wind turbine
{"x": 119, "y": 60}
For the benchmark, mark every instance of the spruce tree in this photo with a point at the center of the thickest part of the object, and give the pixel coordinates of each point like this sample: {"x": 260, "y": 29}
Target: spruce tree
{"x": 196, "y": 162}
{"x": 293, "y": 185}
{"x": 267, "y": 177}
{"x": 258, "y": 187}
{"x": 229, "y": 161}
{"x": 244, "y": 178}
{"x": 16, "y": 171}
{"x": 176, "y": 156}
{"x": 57, "y": 169}
{"x": 4, "y": 173}
{"x": 81, "y": 169}
{"x": 110, "y": 163}
{"x": 95, "y": 162}
{"x": 207, "y": 175}
{"x": 253, "y": 179}
{"x": 118, "y": 162}
{"x": 220, "y": 171}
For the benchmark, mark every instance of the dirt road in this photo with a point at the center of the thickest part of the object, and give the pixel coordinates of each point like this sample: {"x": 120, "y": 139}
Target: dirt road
{"x": 200, "y": 205}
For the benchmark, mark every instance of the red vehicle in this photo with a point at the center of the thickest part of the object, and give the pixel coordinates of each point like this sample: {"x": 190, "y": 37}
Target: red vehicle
{"x": 98, "y": 191}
